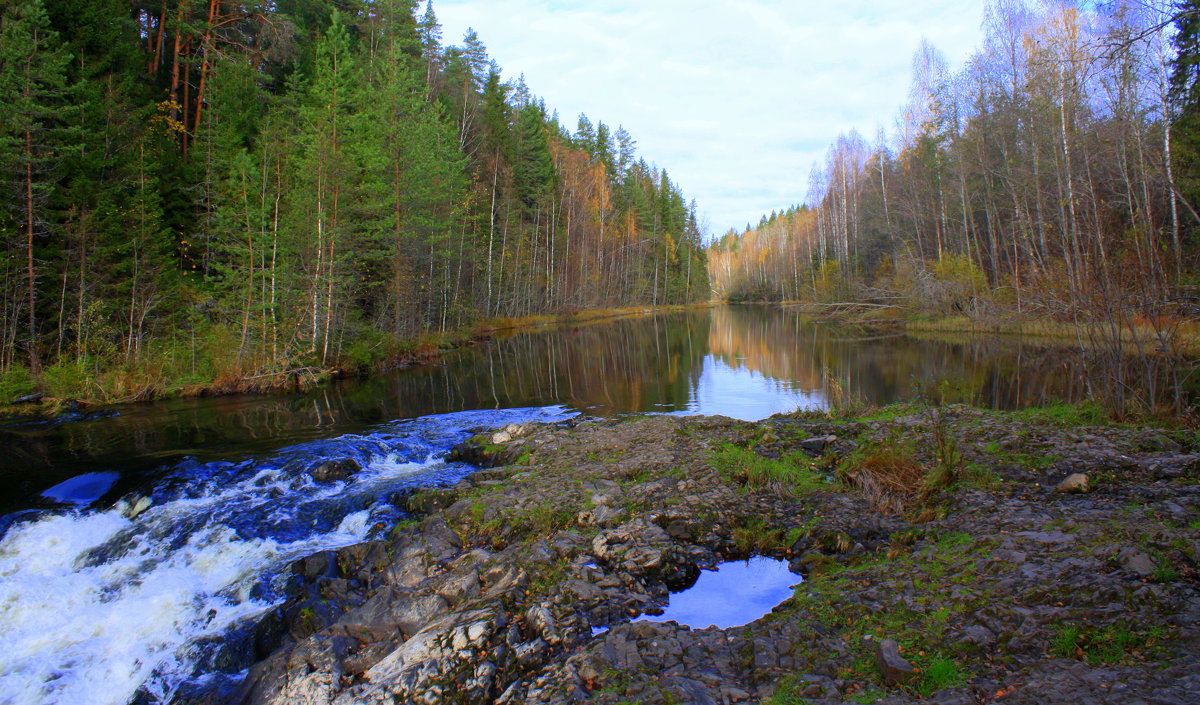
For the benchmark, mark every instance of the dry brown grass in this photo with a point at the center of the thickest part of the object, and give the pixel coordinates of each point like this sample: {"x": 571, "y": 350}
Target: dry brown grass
{"x": 887, "y": 474}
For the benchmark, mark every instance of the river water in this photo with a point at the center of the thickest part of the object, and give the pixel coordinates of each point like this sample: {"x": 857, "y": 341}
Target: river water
{"x": 100, "y": 604}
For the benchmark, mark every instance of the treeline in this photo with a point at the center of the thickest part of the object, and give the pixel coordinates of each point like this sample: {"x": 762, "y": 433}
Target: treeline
{"x": 197, "y": 189}
{"x": 1056, "y": 174}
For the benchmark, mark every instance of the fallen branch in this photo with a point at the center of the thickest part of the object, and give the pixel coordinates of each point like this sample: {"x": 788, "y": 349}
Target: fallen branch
{"x": 310, "y": 371}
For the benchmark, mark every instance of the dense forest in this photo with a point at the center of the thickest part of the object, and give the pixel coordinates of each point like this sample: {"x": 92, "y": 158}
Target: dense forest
{"x": 1056, "y": 175}
{"x": 197, "y": 190}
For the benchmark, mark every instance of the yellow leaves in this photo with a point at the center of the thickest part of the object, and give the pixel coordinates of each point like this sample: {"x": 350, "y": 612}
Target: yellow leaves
{"x": 163, "y": 117}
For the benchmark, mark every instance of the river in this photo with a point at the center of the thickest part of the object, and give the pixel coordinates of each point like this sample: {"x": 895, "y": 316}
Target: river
{"x": 100, "y": 603}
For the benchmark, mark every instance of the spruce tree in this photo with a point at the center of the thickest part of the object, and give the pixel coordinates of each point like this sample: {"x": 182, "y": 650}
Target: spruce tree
{"x": 33, "y": 133}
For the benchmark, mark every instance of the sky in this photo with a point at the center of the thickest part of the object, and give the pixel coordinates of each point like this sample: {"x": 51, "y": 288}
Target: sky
{"x": 736, "y": 99}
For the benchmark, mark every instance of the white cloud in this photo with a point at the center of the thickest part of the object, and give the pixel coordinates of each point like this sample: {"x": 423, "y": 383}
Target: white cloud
{"x": 734, "y": 98}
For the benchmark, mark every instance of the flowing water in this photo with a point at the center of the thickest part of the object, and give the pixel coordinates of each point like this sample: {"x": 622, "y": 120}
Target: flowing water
{"x": 138, "y": 543}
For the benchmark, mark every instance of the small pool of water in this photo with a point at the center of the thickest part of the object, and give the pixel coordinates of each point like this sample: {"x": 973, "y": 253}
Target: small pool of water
{"x": 734, "y": 594}
{"x": 82, "y": 490}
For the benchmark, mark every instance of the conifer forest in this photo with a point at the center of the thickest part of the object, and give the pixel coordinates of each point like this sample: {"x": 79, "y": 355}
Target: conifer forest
{"x": 197, "y": 190}
{"x": 208, "y": 191}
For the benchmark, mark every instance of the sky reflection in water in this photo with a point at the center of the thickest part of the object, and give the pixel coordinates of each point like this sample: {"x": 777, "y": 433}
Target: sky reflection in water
{"x": 734, "y": 594}
{"x": 746, "y": 394}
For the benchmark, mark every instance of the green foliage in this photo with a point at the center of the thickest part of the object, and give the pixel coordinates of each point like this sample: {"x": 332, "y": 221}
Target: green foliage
{"x": 322, "y": 186}
{"x": 957, "y": 279}
{"x": 16, "y": 382}
{"x": 66, "y": 380}
{"x": 1165, "y": 572}
{"x": 546, "y": 518}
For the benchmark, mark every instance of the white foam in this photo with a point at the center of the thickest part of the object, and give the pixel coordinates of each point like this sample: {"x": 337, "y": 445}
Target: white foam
{"x": 95, "y": 606}
{"x": 77, "y": 629}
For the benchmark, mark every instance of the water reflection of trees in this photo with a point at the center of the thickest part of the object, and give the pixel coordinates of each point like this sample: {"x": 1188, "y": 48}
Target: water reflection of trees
{"x": 853, "y": 364}
{"x": 637, "y": 364}
{"x": 642, "y": 364}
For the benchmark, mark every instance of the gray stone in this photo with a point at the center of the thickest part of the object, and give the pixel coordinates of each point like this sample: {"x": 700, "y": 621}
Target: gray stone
{"x": 1135, "y": 561}
{"x": 817, "y": 445}
{"x": 892, "y": 666}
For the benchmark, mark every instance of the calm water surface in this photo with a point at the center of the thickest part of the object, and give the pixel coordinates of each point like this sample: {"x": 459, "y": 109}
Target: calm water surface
{"x": 102, "y": 605}
{"x": 744, "y": 362}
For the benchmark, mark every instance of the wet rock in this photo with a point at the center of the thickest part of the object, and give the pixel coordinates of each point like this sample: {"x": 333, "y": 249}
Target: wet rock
{"x": 133, "y": 505}
{"x": 484, "y": 451}
{"x": 892, "y": 666}
{"x": 335, "y": 470}
{"x": 430, "y": 501}
{"x": 317, "y": 565}
{"x": 611, "y": 515}
{"x": 1074, "y": 483}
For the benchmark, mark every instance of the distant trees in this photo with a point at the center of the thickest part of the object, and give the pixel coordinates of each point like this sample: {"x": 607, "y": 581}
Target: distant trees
{"x": 1054, "y": 173}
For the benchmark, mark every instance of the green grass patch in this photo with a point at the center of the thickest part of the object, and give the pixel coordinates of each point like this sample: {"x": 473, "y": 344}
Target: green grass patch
{"x": 793, "y": 474}
{"x": 754, "y": 536}
{"x": 892, "y": 412}
{"x": 1112, "y": 644}
{"x": 1063, "y": 415}
{"x": 919, "y": 629}
{"x": 867, "y": 697}
{"x": 788, "y": 692}
{"x": 940, "y": 673}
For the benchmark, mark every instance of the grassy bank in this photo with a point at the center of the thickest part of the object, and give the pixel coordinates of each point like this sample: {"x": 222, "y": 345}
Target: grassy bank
{"x": 208, "y": 367}
{"x": 1181, "y": 337}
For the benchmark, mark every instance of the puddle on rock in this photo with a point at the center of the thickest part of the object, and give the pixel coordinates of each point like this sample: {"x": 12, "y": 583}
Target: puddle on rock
{"x": 82, "y": 490}
{"x": 734, "y": 594}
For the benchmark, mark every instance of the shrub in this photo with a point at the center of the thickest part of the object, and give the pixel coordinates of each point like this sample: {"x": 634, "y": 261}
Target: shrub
{"x": 16, "y": 382}
{"x": 887, "y": 473}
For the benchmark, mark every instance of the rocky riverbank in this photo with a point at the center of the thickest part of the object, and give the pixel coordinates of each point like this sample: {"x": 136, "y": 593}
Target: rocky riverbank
{"x": 943, "y": 561}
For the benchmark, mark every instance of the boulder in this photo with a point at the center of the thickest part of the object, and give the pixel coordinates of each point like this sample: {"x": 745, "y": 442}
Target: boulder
{"x": 817, "y": 445}
{"x": 1136, "y": 561}
{"x": 1075, "y": 483}
{"x": 335, "y": 470}
{"x": 892, "y": 666}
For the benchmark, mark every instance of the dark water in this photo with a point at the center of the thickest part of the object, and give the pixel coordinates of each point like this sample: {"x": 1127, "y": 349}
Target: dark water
{"x": 104, "y": 605}
{"x": 746, "y": 362}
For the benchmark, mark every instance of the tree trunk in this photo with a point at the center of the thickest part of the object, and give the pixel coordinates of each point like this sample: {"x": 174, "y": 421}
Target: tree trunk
{"x": 30, "y": 273}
